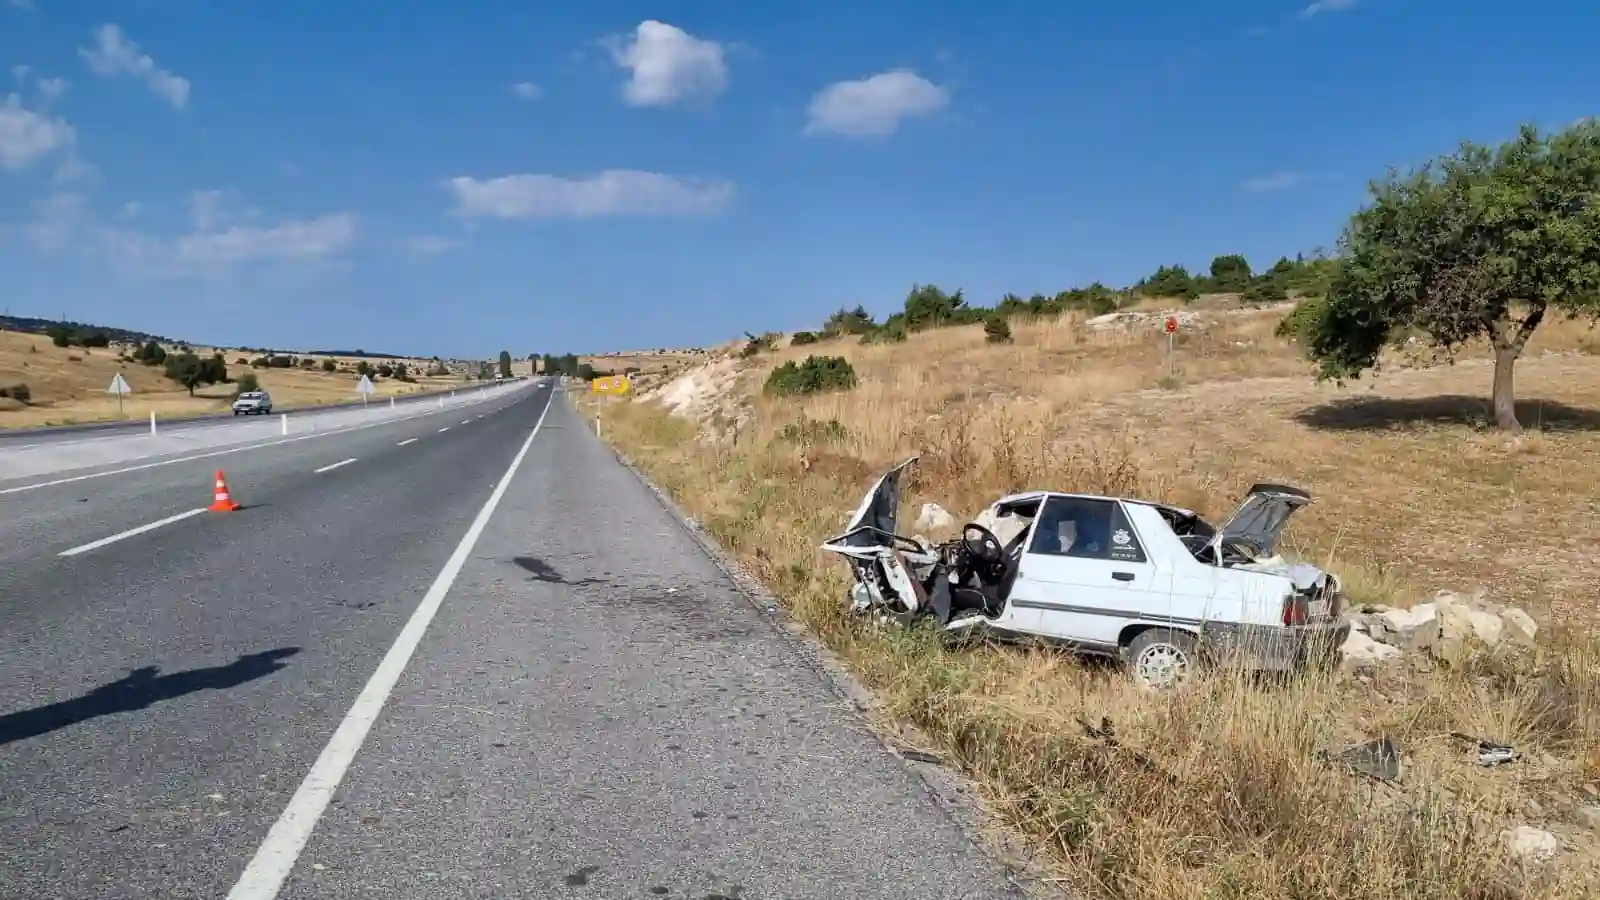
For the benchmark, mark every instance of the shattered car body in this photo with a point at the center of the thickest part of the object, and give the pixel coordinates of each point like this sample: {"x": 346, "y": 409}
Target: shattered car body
{"x": 1153, "y": 584}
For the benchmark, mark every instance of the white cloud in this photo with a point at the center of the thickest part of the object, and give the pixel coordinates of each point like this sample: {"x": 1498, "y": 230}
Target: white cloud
{"x": 291, "y": 239}
{"x": 75, "y": 171}
{"x": 21, "y": 4}
{"x": 114, "y": 54}
{"x": 1322, "y": 6}
{"x": 432, "y": 245}
{"x": 669, "y": 65}
{"x": 205, "y": 207}
{"x": 615, "y": 192}
{"x": 20, "y": 73}
{"x": 875, "y": 106}
{"x": 1277, "y": 181}
{"x": 26, "y": 136}
{"x": 527, "y": 90}
{"x": 51, "y": 88}
{"x": 56, "y": 219}
{"x": 131, "y": 209}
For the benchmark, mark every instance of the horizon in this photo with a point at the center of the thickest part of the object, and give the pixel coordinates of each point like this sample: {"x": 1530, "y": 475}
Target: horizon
{"x": 439, "y": 181}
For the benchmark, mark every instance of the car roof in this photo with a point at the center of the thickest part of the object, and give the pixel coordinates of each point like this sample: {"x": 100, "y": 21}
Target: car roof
{"x": 1030, "y": 496}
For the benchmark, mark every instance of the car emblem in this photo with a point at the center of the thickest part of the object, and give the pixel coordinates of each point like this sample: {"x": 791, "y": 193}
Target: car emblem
{"x": 1122, "y": 537}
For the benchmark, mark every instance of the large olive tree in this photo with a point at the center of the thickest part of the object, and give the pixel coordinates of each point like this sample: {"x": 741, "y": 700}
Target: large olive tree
{"x": 1482, "y": 243}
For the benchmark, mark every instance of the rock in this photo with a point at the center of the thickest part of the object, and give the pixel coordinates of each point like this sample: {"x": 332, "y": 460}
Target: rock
{"x": 1529, "y": 844}
{"x": 1589, "y": 817}
{"x": 933, "y": 517}
{"x": 1409, "y": 629}
{"x": 1361, "y": 653}
{"x": 1463, "y": 621}
{"x": 1519, "y": 626}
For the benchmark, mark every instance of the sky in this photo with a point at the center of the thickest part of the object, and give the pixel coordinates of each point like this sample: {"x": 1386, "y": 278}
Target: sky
{"x": 461, "y": 178}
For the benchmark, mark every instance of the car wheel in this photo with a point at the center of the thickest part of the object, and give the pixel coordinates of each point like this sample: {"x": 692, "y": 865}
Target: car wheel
{"x": 1160, "y": 658}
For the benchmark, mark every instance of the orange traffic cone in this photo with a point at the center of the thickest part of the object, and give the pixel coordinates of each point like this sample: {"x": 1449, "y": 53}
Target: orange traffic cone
{"x": 224, "y": 503}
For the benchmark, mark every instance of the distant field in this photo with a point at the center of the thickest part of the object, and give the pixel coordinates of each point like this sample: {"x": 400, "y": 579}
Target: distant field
{"x": 67, "y": 384}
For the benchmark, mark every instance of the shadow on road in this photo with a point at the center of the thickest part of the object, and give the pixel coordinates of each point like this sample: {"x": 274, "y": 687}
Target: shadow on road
{"x": 544, "y": 572}
{"x": 1379, "y": 413}
{"x": 137, "y": 690}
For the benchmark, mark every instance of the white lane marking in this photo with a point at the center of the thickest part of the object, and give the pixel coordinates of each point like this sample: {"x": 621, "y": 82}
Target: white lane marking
{"x": 406, "y": 441}
{"x": 444, "y": 429}
{"x": 95, "y": 545}
{"x": 239, "y": 449}
{"x": 275, "y": 859}
{"x": 466, "y": 421}
{"x": 342, "y": 462}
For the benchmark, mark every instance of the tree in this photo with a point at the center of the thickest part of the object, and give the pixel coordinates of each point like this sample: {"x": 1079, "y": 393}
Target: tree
{"x": 61, "y": 336}
{"x": 485, "y": 371}
{"x": 247, "y": 383}
{"x": 505, "y": 363}
{"x": 848, "y": 321}
{"x": 214, "y": 370}
{"x": 95, "y": 338}
{"x": 1481, "y": 243}
{"x": 996, "y": 330}
{"x": 365, "y": 368}
{"x": 151, "y": 354}
{"x": 385, "y": 370}
{"x": 329, "y": 365}
{"x": 186, "y": 369}
{"x": 1230, "y": 273}
{"x": 1170, "y": 281}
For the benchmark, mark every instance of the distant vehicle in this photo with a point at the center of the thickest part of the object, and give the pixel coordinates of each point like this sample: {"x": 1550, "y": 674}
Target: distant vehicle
{"x": 251, "y": 402}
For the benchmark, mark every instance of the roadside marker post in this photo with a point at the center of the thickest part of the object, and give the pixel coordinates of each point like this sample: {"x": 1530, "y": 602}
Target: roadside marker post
{"x": 152, "y": 423}
{"x": 1172, "y": 333}
{"x": 285, "y": 420}
{"x": 119, "y": 386}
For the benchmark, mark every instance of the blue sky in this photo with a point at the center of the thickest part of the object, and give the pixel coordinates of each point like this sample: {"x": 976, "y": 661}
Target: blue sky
{"x": 459, "y": 178}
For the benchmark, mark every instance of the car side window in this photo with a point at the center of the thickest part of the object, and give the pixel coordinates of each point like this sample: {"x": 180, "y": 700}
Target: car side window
{"x": 1078, "y": 527}
{"x": 1124, "y": 540}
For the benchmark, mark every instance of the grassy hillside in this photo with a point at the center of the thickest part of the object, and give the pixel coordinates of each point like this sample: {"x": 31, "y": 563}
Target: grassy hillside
{"x": 1216, "y": 792}
{"x": 66, "y": 385}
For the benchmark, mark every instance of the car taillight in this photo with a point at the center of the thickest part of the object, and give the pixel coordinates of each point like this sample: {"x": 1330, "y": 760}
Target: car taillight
{"x": 1294, "y": 610}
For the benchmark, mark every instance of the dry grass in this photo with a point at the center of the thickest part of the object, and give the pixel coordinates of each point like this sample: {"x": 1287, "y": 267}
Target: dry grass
{"x": 1230, "y": 799}
{"x": 68, "y": 384}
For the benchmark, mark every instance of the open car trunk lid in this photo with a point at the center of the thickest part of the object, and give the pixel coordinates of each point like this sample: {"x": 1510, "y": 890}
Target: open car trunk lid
{"x": 874, "y": 521}
{"x": 1260, "y": 519}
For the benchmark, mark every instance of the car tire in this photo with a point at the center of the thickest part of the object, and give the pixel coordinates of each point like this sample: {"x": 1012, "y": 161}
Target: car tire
{"x": 1161, "y": 658}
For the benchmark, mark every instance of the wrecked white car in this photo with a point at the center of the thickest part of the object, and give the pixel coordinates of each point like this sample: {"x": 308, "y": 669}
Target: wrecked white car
{"x": 1153, "y": 585}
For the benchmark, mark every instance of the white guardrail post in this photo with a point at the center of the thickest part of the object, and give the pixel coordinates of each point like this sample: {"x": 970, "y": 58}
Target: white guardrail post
{"x": 152, "y": 423}
{"x": 284, "y": 418}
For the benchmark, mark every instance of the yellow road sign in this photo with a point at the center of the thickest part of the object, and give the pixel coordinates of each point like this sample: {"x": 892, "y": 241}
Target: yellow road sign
{"x": 611, "y": 384}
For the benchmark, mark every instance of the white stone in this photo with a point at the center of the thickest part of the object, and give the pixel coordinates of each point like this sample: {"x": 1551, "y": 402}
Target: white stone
{"x": 1409, "y": 629}
{"x": 933, "y": 517}
{"x": 1361, "y": 653}
{"x": 1589, "y": 817}
{"x": 1530, "y": 844}
{"x": 1460, "y": 624}
{"x": 1519, "y": 626}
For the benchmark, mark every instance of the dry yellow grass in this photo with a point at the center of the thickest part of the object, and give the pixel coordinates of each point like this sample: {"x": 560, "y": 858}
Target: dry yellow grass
{"x": 1232, "y": 801}
{"x": 68, "y": 384}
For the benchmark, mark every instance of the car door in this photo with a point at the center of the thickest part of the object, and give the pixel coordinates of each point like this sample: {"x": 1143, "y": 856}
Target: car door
{"x": 1086, "y": 571}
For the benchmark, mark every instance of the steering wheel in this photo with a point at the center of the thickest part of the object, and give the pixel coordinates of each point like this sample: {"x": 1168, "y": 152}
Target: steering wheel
{"x": 981, "y": 543}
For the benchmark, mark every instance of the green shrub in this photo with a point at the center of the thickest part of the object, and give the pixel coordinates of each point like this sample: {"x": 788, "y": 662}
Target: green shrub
{"x": 246, "y": 383}
{"x": 801, "y": 338}
{"x": 259, "y": 362}
{"x": 280, "y": 362}
{"x": 1265, "y": 289}
{"x": 329, "y": 365}
{"x": 996, "y": 330}
{"x": 810, "y": 432}
{"x": 18, "y": 392}
{"x": 816, "y": 375}
{"x": 763, "y": 344}
{"x": 1301, "y": 323}
{"x": 61, "y": 337}
{"x": 888, "y": 333}
{"x": 95, "y": 339}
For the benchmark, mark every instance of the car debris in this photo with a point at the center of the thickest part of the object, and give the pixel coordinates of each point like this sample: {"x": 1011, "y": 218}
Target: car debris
{"x": 1490, "y": 753}
{"x": 1153, "y": 585}
{"x": 1379, "y": 759}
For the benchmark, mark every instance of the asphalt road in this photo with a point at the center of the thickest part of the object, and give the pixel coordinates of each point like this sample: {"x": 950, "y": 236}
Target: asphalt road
{"x": 458, "y": 655}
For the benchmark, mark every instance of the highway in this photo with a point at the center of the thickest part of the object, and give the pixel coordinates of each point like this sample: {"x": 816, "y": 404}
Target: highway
{"x": 457, "y": 654}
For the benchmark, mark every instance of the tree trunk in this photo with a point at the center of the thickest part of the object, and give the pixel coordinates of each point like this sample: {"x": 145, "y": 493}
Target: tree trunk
{"x": 1505, "y": 399}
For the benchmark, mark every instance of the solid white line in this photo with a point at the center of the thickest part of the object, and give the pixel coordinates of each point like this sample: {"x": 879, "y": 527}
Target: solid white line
{"x": 444, "y": 429}
{"x": 275, "y": 859}
{"x": 342, "y": 462}
{"x": 406, "y": 441}
{"x": 95, "y": 545}
{"x": 237, "y": 449}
